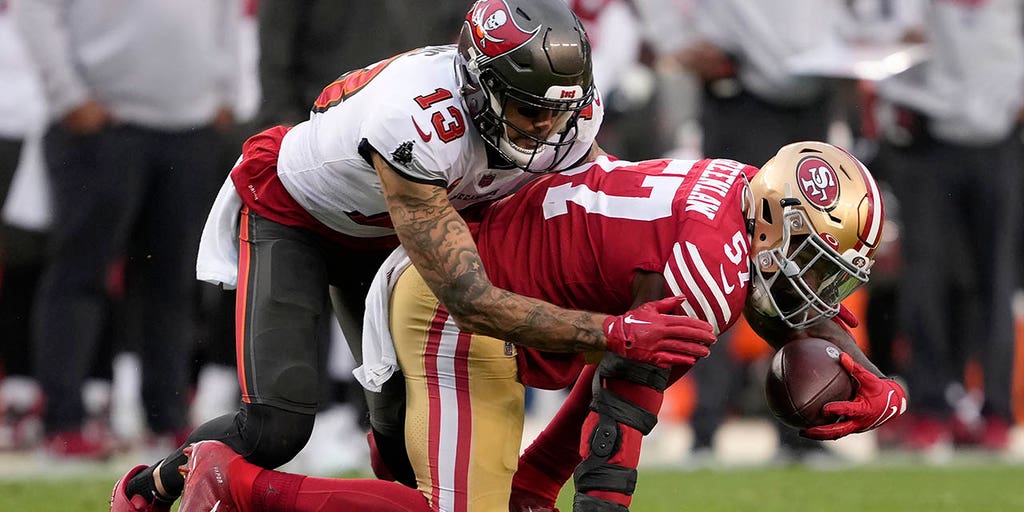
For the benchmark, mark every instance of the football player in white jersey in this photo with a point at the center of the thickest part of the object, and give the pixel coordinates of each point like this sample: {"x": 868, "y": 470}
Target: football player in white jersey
{"x": 392, "y": 152}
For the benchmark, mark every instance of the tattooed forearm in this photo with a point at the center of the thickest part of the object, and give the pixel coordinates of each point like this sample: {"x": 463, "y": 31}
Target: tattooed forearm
{"x": 434, "y": 238}
{"x": 538, "y": 318}
{"x": 441, "y": 247}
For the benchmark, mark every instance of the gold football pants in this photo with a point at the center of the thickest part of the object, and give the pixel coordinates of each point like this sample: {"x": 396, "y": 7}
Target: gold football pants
{"x": 464, "y": 412}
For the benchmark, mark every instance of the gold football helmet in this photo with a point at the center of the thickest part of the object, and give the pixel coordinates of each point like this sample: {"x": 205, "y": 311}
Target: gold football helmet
{"x": 816, "y": 215}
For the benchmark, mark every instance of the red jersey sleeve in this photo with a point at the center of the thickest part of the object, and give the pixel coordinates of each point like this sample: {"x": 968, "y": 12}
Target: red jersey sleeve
{"x": 578, "y": 238}
{"x": 709, "y": 261}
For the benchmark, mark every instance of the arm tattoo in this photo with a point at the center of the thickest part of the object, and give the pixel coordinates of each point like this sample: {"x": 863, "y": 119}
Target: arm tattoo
{"x": 442, "y": 249}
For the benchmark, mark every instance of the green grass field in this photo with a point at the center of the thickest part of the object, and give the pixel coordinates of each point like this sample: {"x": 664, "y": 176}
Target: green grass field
{"x": 795, "y": 489}
{"x": 987, "y": 488}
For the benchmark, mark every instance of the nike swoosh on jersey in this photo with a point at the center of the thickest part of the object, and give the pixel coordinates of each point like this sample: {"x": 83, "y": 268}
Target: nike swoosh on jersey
{"x": 426, "y": 136}
{"x": 215, "y": 506}
{"x": 728, "y": 288}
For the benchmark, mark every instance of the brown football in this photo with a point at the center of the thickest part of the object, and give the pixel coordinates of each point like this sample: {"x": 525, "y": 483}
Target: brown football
{"x": 805, "y": 375}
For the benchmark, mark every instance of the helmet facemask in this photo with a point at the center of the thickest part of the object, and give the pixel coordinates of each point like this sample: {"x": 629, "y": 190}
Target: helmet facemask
{"x": 547, "y": 151}
{"x": 803, "y": 279}
{"x": 492, "y": 119}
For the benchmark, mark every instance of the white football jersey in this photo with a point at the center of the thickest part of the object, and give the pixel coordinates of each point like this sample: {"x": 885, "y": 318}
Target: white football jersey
{"x": 407, "y": 108}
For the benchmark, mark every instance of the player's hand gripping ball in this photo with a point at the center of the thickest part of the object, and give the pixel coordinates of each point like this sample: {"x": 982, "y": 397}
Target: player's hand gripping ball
{"x": 805, "y": 375}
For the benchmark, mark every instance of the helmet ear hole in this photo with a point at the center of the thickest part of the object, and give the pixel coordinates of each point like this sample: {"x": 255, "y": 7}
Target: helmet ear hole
{"x": 766, "y": 211}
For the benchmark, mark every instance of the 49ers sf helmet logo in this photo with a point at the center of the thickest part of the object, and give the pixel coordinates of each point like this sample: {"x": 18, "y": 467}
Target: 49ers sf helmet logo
{"x": 818, "y": 182}
{"x": 494, "y": 32}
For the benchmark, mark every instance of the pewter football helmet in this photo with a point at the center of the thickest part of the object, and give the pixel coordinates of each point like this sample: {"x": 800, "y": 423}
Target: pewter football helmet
{"x": 529, "y": 55}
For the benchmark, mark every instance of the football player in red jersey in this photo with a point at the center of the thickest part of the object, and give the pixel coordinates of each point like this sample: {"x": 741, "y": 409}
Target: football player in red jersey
{"x": 709, "y": 239}
{"x": 393, "y": 152}
{"x": 806, "y": 229}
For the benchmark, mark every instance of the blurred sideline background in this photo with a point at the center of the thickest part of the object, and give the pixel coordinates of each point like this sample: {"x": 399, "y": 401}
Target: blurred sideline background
{"x": 644, "y": 67}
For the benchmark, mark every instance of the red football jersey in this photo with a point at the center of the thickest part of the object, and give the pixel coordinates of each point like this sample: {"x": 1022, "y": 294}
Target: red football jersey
{"x": 577, "y": 239}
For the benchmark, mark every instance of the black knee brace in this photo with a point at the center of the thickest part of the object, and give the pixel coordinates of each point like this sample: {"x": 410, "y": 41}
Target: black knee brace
{"x": 596, "y": 473}
{"x": 614, "y": 366}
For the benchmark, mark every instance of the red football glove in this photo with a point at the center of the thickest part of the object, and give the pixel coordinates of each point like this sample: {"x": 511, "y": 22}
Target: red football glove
{"x": 651, "y": 334}
{"x": 877, "y": 401}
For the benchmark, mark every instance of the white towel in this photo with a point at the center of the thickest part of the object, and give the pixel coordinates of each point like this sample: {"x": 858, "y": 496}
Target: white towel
{"x": 379, "y": 359}
{"x": 217, "y": 262}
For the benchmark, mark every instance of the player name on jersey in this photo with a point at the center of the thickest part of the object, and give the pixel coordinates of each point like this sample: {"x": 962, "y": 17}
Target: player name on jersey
{"x": 711, "y": 188}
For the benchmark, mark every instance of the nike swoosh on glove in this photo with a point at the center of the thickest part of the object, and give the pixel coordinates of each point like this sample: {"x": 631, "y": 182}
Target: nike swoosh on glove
{"x": 877, "y": 401}
{"x": 653, "y": 334}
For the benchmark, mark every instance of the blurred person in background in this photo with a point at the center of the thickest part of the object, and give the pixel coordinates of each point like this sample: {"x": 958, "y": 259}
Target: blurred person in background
{"x": 216, "y": 378}
{"x": 635, "y": 126}
{"x": 21, "y": 235}
{"x": 303, "y": 44}
{"x": 750, "y": 105}
{"x": 880, "y": 25}
{"x": 137, "y": 93}
{"x": 949, "y": 132}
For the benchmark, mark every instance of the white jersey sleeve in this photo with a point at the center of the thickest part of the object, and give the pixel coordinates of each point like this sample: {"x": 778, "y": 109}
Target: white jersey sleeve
{"x": 389, "y": 107}
{"x": 419, "y": 126}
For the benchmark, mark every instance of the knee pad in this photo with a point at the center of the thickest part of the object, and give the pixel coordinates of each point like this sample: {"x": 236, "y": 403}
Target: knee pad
{"x": 269, "y": 437}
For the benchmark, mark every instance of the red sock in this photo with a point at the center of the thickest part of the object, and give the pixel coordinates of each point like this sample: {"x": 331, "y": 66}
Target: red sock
{"x": 549, "y": 461}
{"x": 274, "y": 491}
{"x": 363, "y": 495}
{"x": 243, "y": 475}
{"x": 267, "y": 491}
{"x": 264, "y": 490}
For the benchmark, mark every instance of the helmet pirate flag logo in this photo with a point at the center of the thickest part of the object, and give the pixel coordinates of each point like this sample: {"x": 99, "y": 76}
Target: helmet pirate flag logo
{"x": 494, "y": 31}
